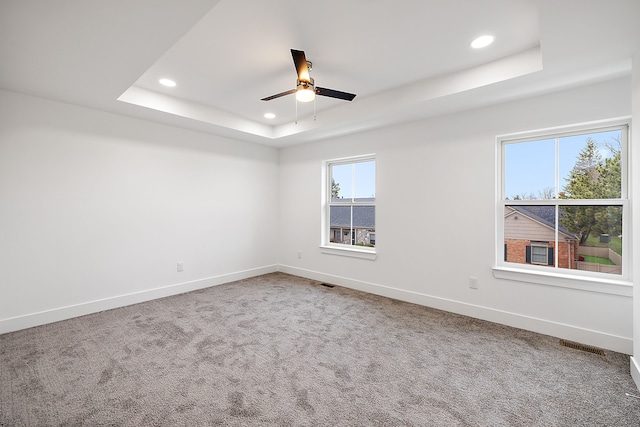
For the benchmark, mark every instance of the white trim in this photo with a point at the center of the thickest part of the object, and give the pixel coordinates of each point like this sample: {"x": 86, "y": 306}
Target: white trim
{"x": 565, "y": 130}
{"x": 635, "y": 371}
{"x": 542, "y": 326}
{"x": 350, "y": 159}
{"x": 62, "y": 313}
{"x": 348, "y": 251}
{"x": 571, "y": 281}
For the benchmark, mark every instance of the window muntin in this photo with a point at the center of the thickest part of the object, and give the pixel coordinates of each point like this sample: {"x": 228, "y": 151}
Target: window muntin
{"x": 351, "y": 203}
{"x": 569, "y": 190}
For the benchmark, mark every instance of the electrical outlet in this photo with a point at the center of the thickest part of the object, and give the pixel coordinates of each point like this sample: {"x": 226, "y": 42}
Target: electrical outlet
{"x": 180, "y": 266}
{"x": 473, "y": 282}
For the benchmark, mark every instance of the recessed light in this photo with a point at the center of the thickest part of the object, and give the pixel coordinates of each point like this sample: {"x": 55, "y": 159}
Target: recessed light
{"x": 482, "y": 41}
{"x": 167, "y": 82}
{"x": 269, "y": 116}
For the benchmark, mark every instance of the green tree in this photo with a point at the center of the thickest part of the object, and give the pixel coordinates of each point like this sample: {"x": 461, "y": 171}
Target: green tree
{"x": 609, "y": 218}
{"x": 593, "y": 178}
{"x": 335, "y": 189}
{"x": 582, "y": 184}
{"x": 610, "y": 178}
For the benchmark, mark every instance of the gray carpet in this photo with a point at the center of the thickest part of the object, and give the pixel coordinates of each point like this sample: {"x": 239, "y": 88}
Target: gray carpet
{"x": 278, "y": 350}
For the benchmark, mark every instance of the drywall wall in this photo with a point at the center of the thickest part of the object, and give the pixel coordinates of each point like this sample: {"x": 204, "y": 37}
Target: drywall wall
{"x": 435, "y": 217}
{"x": 635, "y": 194}
{"x": 98, "y": 209}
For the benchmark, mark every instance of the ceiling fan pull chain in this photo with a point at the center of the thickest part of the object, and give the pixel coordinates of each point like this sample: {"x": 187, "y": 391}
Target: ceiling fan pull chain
{"x": 314, "y": 109}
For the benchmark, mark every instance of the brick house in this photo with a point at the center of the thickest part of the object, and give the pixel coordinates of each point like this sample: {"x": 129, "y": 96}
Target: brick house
{"x": 529, "y": 237}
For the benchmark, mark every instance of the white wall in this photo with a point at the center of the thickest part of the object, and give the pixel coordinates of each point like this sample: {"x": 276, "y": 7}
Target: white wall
{"x": 96, "y": 210}
{"x": 635, "y": 188}
{"x": 435, "y": 224}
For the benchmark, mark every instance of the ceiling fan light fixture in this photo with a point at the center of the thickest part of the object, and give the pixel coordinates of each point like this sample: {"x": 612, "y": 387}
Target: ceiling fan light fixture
{"x": 305, "y": 95}
{"x": 305, "y": 92}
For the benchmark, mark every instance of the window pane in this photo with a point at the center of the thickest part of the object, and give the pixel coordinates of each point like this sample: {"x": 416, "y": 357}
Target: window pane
{"x": 340, "y": 224}
{"x": 353, "y": 225}
{"x": 529, "y": 231}
{"x": 530, "y": 170}
{"x": 364, "y": 224}
{"x": 365, "y": 181}
{"x": 341, "y": 216}
{"x": 341, "y": 179}
{"x": 589, "y": 165}
{"x": 589, "y": 237}
{"x": 596, "y": 244}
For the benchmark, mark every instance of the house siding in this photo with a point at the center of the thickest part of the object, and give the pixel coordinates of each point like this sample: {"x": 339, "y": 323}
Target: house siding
{"x": 519, "y": 226}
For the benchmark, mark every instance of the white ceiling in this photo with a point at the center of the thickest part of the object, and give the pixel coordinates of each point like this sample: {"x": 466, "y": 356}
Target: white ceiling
{"x": 405, "y": 59}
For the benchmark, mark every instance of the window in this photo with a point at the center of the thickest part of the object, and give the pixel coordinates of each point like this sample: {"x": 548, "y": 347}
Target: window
{"x": 563, "y": 201}
{"x": 350, "y": 209}
{"x": 539, "y": 253}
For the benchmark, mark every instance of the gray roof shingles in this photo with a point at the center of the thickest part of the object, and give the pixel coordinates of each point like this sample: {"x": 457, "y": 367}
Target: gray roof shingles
{"x": 363, "y": 216}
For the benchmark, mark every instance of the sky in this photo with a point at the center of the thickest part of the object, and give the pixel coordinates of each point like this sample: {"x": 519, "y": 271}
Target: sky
{"x": 530, "y": 166}
{"x": 355, "y": 179}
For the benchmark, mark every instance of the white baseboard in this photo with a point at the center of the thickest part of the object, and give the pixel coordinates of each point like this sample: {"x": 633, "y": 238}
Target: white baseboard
{"x": 63, "y": 313}
{"x": 542, "y": 326}
{"x": 635, "y": 371}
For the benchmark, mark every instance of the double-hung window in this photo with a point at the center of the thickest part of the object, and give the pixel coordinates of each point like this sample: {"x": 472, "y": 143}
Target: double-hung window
{"x": 350, "y": 216}
{"x": 563, "y": 204}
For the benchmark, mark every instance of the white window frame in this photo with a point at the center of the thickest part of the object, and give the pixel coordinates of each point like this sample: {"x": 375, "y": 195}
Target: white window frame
{"x": 562, "y": 277}
{"x": 326, "y": 246}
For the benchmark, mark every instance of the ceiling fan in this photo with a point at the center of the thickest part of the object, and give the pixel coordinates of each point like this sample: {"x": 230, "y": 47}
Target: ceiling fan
{"x": 306, "y": 89}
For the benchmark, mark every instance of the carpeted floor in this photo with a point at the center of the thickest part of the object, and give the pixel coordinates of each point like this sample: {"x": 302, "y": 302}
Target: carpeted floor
{"x": 278, "y": 350}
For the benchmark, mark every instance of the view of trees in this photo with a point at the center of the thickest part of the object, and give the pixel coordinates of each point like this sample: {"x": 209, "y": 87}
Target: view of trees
{"x": 593, "y": 178}
{"x": 335, "y": 189}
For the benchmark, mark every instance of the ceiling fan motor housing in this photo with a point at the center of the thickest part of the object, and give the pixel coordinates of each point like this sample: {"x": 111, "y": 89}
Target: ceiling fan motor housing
{"x": 302, "y": 85}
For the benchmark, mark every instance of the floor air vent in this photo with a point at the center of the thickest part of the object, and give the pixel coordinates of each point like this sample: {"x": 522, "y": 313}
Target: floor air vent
{"x": 583, "y": 347}
{"x": 327, "y": 285}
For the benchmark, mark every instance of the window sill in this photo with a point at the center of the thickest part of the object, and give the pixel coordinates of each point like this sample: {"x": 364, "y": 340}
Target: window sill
{"x": 583, "y": 283}
{"x": 369, "y": 254}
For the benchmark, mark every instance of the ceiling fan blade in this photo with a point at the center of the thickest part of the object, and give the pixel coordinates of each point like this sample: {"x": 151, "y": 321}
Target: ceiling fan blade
{"x": 300, "y": 61}
{"x": 335, "y": 94}
{"x": 269, "y": 98}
